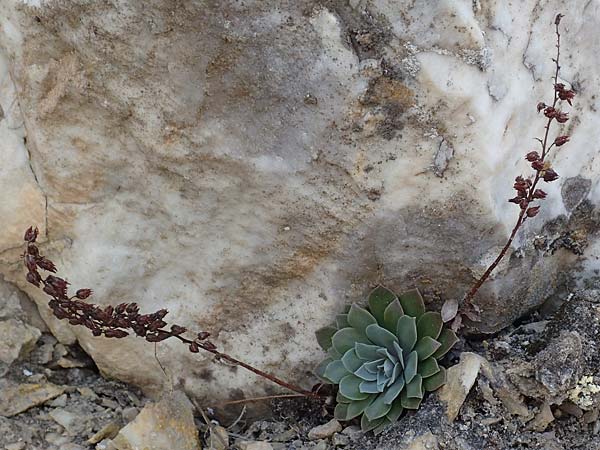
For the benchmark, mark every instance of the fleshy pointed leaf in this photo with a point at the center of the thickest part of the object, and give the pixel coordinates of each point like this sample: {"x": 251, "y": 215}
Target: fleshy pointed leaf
{"x": 333, "y": 353}
{"x": 447, "y": 338}
{"x": 324, "y": 336}
{"x": 393, "y": 391}
{"x": 360, "y": 318}
{"x": 368, "y": 425}
{"x": 410, "y": 367}
{"x": 365, "y": 374}
{"x": 426, "y": 347}
{"x": 355, "y": 409}
{"x": 349, "y": 387}
{"x": 344, "y": 339}
{"x": 428, "y": 367}
{"x": 339, "y": 398}
{"x": 379, "y": 299}
{"x": 373, "y": 366}
{"x": 412, "y": 303}
{"x": 320, "y": 369}
{"x": 380, "y": 336}
{"x": 341, "y": 411}
{"x": 409, "y": 403}
{"x": 391, "y": 315}
{"x": 367, "y": 352}
{"x": 407, "y": 333}
{"x": 396, "y": 411}
{"x": 396, "y": 373}
{"x": 369, "y": 387}
{"x": 449, "y": 310}
{"x": 378, "y": 408}
{"x": 436, "y": 381}
{"x": 341, "y": 321}
{"x": 399, "y": 353}
{"x": 382, "y": 427}
{"x": 335, "y": 371}
{"x": 351, "y": 361}
{"x": 429, "y": 324}
{"x": 414, "y": 389}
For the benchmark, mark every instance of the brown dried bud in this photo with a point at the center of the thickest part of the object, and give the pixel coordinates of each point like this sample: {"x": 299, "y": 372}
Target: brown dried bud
{"x": 562, "y": 117}
{"x": 194, "y": 347}
{"x": 116, "y": 334}
{"x": 177, "y": 330}
{"x": 30, "y": 262}
{"x": 82, "y": 294}
{"x": 132, "y": 308}
{"x": 96, "y": 331}
{"x": 532, "y": 156}
{"x": 31, "y": 234}
{"x": 203, "y": 335}
{"x": 540, "y": 106}
{"x": 550, "y": 112}
{"x": 161, "y": 313}
{"x": 120, "y": 308}
{"x": 550, "y": 175}
{"x": 33, "y": 250}
{"x": 46, "y": 264}
{"x": 538, "y": 165}
{"x": 532, "y": 212}
{"x": 567, "y": 95}
{"x": 524, "y": 203}
{"x": 34, "y": 278}
{"x": 538, "y": 193}
{"x": 561, "y": 140}
{"x": 209, "y": 346}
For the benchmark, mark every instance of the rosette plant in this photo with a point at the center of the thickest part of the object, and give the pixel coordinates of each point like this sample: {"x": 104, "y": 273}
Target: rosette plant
{"x": 384, "y": 357}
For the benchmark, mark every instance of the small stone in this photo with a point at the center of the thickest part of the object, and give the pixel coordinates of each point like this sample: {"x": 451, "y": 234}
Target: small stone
{"x": 340, "y": 440}
{"x": 572, "y": 409}
{"x": 18, "y": 339}
{"x": 87, "y": 393}
{"x": 129, "y": 414}
{"x": 105, "y": 444}
{"x": 15, "y": 446}
{"x": 219, "y": 438}
{"x": 256, "y": 445}
{"x": 70, "y": 363}
{"x": 164, "y": 425}
{"x": 460, "y": 379}
{"x": 321, "y": 445}
{"x": 591, "y": 416}
{"x": 542, "y": 419}
{"x": 110, "y": 430}
{"x": 56, "y": 439}
{"x": 324, "y": 431}
{"x": 59, "y": 402}
{"x": 108, "y": 403}
{"x": 353, "y": 432}
{"x": 426, "y": 441}
{"x": 66, "y": 419}
{"x": 16, "y": 398}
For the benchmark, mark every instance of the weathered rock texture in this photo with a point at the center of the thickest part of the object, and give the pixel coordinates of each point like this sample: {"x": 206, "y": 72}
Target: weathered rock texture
{"x": 254, "y": 165}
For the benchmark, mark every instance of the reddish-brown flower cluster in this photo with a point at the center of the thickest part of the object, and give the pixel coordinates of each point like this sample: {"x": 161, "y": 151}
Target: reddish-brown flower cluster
{"x": 112, "y": 322}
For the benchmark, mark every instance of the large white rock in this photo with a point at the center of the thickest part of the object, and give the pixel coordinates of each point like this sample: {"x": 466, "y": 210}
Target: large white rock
{"x": 252, "y": 166}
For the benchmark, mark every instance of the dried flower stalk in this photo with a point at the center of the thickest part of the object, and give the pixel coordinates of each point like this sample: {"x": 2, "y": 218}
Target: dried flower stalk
{"x": 121, "y": 320}
{"x": 526, "y": 188}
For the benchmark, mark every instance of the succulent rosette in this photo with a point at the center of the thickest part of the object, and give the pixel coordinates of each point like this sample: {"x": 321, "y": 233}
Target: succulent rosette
{"x": 384, "y": 357}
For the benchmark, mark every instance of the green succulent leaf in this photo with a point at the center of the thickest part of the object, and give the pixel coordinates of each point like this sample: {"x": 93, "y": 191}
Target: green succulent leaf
{"x": 365, "y": 374}
{"x": 333, "y": 353}
{"x": 344, "y": 339}
{"x": 393, "y": 391}
{"x": 410, "y": 366}
{"x": 335, "y": 371}
{"x": 351, "y": 362}
{"x": 391, "y": 315}
{"x": 407, "y": 333}
{"x": 369, "y": 387}
{"x": 339, "y": 398}
{"x": 409, "y": 403}
{"x": 380, "y": 336}
{"x": 412, "y": 303}
{"x": 379, "y": 299}
{"x": 360, "y": 318}
{"x": 426, "y": 347}
{"x": 414, "y": 389}
{"x": 428, "y": 367}
{"x": 324, "y": 336}
{"x": 429, "y": 324}
{"x": 341, "y": 411}
{"x": 368, "y": 425}
{"x": 368, "y": 352}
{"x": 436, "y": 381}
{"x": 341, "y": 321}
{"x": 355, "y": 409}
{"x": 380, "y": 428}
{"x": 377, "y": 409}
{"x": 447, "y": 338}
{"x": 349, "y": 387}
{"x": 396, "y": 411}
{"x": 320, "y": 369}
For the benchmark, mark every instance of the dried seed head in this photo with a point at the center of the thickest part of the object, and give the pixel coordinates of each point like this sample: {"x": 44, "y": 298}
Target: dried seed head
{"x": 538, "y": 193}
{"x": 540, "y": 106}
{"x": 533, "y": 211}
{"x": 177, "y": 330}
{"x": 46, "y": 264}
{"x": 82, "y": 294}
{"x": 30, "y": 263}
{"x": 532, "y": 156}
{"x": 31, "y": 234}
{"x": 34, "y": 278}
{"x": 538, "y": 165}
{"x": 194, "y": 347}
{"x": 116, "y": 334}
{"x": 550, "y": 175}
{"x": 33, "y": 250}
{"x": 550, "y": 112}
{"x": 203, "y": 335}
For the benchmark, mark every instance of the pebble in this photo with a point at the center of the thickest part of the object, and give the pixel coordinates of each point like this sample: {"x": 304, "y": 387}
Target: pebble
{"x": 59, "y": 402}
{"x": 256, "y": 445}
{"x": 459, "y": 381}
{"x": 109, "y": 430}
{"x": 15, "y": 446}
{"x": 130, "y": 413}
{"x": 340, "y": 440}
{"x": 353, "y": 432}
{"x": 16, "y": 398}
{"x": 324, "y": 431}
{"x": 321, "y": 445}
